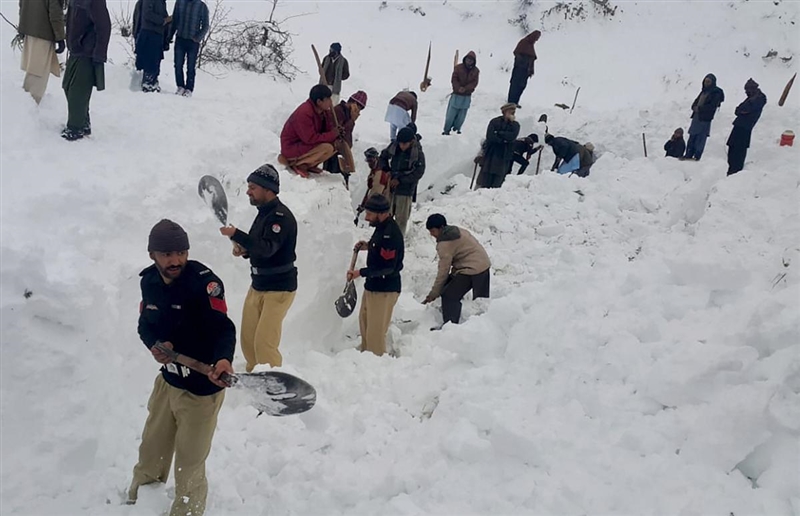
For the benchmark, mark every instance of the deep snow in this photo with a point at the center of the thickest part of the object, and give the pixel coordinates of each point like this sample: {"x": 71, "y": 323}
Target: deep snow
{"x": 641, "y": 350}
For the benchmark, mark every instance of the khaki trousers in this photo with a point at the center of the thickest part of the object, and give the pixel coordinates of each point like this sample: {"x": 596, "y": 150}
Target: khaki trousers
{"x": 262, "y": 323}
{"x": 38, "y": 61}
{"x": 401, "y": 209}
{"x": 374, "y": 319}
{"x": 182, "y": 424}
{"x": 314, "y": 157}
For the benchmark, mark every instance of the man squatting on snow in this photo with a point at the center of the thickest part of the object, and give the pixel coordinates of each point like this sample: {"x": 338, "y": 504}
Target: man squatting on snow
{"x": 270, "y": 246}
{"x": 382, "y": 283}
{"x": 183, "y": 308}
{"x": 308, "y": 137}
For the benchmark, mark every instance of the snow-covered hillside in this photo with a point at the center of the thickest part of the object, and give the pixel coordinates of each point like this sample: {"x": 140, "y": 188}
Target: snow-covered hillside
{"x": 641, "y": 350}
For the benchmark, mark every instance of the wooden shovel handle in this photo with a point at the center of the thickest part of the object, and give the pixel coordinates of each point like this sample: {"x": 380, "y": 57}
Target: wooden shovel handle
{"x": 353, "y": 260}
{"x": 193, "y": 364}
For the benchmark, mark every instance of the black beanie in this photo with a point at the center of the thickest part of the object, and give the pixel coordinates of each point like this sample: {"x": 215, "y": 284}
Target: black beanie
{"x": 436, "y": 221}
{"x": 167, "y": 237}
{"x": 266, "y": 176}
{"x": 377, "y": 204}
{"x": 405, "y": 135}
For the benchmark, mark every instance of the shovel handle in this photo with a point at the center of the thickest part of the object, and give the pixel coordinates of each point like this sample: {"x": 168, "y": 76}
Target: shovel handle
{"x": 353, "y": 260}
{"x": 194, "y": 365}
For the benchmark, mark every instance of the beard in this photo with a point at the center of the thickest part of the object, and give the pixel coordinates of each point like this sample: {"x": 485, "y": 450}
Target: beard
{"x": 374, "y": 223}
{"x": 511, "y": 118}
{"x": 171, "y": 272}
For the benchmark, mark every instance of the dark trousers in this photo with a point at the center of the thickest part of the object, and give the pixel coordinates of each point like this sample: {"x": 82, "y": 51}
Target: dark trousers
{"x": 79, "y": 80}
{"x": 457, "y": 287}
{"x": 520, "y": 159}
{"x": 149, "y": 53}
{"x": 738, "y": 142}
{"x": 695, "y": 146}
{"x": 186, "y": 50}
{"x": 519, "y": 80}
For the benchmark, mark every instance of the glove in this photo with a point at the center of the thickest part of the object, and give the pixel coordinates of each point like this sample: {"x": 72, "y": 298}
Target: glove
{"x": 478, "y": 160}
{"x": 60, "y": 46}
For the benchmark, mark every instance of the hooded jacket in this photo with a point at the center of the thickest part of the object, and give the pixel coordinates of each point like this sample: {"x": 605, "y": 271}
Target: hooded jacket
{"x": 43, "y": 19}
{"x": 466, "y": 78}
{"x": 459, "y": 253}
{"x": 88, "y": 29}
{"x": 705, "y": 105}
{"x": 525, "y": 53}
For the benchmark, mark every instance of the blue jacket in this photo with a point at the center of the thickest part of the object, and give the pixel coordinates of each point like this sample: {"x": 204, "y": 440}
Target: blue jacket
{"x": 190, "y": 20}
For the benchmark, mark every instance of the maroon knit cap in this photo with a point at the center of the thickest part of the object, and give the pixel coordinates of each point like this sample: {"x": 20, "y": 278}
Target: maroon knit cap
{"x": 167, "y": 237}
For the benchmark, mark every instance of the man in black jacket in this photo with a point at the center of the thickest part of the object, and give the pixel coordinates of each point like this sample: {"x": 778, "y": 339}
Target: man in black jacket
{"x": 382, "y": 286}
{"x": 151, "y": 33}
{"x": 405, "y": 161}
{"x": 571, "y": 156}
{"x": 498, "y": 148}
{"x": 704, "y": 108}
{"x": 270, "y": 247}
{"x": 747, "y": 114}
{"x": 183, "y": 308}
{"x": 524, "y": 148}
{"x": 88, "y": 34}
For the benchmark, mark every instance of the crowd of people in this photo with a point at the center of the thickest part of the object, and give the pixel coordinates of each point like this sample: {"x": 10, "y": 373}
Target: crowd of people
{"x": 183, "y": 304}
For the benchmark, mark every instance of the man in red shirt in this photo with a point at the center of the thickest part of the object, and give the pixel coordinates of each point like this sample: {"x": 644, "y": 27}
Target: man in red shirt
{"x": 307, "y": 137}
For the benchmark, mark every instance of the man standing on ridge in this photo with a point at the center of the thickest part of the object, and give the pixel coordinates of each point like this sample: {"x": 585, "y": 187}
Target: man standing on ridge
{"x": 307, "y": 138}
{"x": 88, "y": 34}
{"x": 747, "y": 114}
{"x": 335, "y": 69}
{"x": 183, "y": 309}
{"x": 704, "y": 108}
{"x": 190, "y": 22}
{"x": 41, "y": 22}
{"x": 382, "y": 275}
{"x": 270, "y": 247}
{"x": 464, "y": 81}
{"x": 524, "y": 58}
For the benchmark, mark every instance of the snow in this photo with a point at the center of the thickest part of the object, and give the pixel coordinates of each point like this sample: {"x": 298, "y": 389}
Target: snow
{"x": 641, "y": 350}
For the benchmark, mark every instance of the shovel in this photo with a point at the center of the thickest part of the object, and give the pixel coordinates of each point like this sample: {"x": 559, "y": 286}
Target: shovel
{"x": 346, "y": 303}
{"x": 213, "y": 194}
{"x": 271, "y": 392}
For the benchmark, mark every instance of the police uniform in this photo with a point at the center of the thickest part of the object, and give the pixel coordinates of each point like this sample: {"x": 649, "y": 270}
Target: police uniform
{"x": 270, "y": 245}
{"x": 190, "y": 312}
{"x": 382, "y": 284}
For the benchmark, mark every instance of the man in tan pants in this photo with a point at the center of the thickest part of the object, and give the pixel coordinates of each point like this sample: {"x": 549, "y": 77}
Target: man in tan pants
{"x": 270, "y": 247}
{"x": 183, "y": 308}
{"x": 42, "y": 24}
{"x": 382, "y": 274}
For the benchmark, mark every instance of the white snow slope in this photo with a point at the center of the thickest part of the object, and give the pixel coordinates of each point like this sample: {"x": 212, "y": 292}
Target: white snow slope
{"x": 641, "y": 350}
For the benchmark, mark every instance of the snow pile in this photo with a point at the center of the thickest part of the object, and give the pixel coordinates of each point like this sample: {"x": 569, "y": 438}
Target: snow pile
{"x": 640, "y": 353}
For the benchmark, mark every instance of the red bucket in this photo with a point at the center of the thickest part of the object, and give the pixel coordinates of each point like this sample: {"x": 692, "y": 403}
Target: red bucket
{"x": 787, "y": 139}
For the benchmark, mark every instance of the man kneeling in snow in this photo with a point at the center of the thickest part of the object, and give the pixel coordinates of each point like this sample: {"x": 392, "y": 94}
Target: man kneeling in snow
{"x": 463, "y": 266}
{"x": 183, "y": 308}
{"x": 571, "y": 156}
{"x": 307, "y": 138}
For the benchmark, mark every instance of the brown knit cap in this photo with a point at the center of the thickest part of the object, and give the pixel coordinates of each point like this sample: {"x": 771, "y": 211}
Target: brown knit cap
{"x": 167, "y": 237}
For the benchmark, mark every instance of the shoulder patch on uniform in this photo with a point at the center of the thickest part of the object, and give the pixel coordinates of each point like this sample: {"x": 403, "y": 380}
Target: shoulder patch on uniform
{"x": 388, "y": 254}
{"x": 214, "y": 289}
{"x": 387, "y": 236}
{"x": 276, "y": 228}
{"x": 279, "y": 213}
{"x": 205, "y": 272}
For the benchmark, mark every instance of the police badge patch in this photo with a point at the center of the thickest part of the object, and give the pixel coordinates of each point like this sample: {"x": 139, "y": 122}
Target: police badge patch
{"x": 214, "y": 289}
{"x": 276, "y": 228}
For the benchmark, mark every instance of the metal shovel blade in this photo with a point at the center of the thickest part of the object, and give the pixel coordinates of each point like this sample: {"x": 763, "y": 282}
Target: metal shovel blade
{"x": 346, "y": 303}
{"x": 275, "y": 393}
{"x": 212, "y": 192}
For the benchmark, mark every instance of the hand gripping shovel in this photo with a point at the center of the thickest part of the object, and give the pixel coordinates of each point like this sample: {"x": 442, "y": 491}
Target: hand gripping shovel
{"x": 271, "y": 392}
{"x": 346, "y": 303}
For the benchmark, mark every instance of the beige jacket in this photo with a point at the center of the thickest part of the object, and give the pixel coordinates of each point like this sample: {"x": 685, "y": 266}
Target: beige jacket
{"x": 459, "y": 253}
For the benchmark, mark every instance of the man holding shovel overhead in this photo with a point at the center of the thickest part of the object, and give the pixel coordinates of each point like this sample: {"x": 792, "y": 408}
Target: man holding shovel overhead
{"x": 382, "y": 274}
{"x": 183, "y": 308}
{"x": 270, "y": 247}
